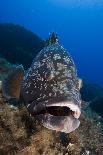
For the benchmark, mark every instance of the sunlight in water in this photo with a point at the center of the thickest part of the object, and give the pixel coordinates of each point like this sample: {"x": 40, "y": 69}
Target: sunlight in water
{"x": 78, "y": 2}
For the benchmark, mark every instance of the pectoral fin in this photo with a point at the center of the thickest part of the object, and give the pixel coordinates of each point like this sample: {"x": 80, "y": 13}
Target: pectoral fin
{"x": 11, "y": 85}
{"x": 80, "y": 83}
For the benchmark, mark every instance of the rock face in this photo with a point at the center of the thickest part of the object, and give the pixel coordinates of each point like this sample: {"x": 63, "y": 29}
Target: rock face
{"x": 90, "y": 91}
{"x": 19, "y": 45}
{"x": 97, "y": 105}
{"x": 5, "y": 67}
{"x": 93, "y": 93}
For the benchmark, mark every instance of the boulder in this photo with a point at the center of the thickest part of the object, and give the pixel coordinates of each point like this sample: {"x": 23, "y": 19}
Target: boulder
{"x": 19, "y": 45}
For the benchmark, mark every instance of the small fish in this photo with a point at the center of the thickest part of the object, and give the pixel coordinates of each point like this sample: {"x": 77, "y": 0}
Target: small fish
{"x": 50, "y": 88}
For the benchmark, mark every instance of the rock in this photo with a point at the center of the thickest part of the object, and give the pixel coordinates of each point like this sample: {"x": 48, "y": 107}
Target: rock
{"x": 90, "y": 91}
{"x": 97, "y": 105}
{"x": 0, "y": 86}
{"x": 19, "y": 45}
{"x": 94, "y": 94}
{"x": 5, "y": 68}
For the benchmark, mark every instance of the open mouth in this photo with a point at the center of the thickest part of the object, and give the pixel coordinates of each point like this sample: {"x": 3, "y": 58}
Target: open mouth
{"x": 61, "y": 116}
{"x": 57, "y": 111}
{"x": 61, "y": 109}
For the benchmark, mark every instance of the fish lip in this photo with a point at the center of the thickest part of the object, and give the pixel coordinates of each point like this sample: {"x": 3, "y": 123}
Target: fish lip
{"x": 74, "y": 107}
{"x": 61, "y": 122}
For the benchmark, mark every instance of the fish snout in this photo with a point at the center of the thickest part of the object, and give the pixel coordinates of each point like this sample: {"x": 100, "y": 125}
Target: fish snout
{"x": 61, "y": 116}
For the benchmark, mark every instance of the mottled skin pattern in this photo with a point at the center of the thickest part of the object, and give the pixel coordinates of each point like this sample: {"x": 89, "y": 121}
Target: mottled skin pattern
{"x": 52, "y": 78}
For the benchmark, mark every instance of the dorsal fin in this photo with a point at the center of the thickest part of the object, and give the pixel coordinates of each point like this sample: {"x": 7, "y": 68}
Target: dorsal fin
{"x": 11, "y": 85}
{"x": 53, "y": 38}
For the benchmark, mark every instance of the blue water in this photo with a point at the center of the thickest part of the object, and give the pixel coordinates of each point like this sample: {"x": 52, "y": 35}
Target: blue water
{"x": 79, "y": 25}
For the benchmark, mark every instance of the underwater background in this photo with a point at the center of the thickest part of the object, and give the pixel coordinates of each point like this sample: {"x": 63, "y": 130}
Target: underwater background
{"x": 79, "y": 25}
{"x": 25, "y": 26}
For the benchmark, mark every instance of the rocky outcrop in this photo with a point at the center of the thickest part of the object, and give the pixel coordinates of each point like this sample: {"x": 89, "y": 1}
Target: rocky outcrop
{"x": 90, "y": 91}
{"x": 94, "y": 94}
{"x": 5, "y": 67}
{"x": 19, "y": 45}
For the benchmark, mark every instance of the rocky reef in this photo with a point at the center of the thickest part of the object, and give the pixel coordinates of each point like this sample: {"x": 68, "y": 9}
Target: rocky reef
{"x": 23, "y": 135}
{"x": 94, "y": 94}
{"x": 5, "y": 67}
{"x": 19, "y": 45}
{"x": 90, "y": 91}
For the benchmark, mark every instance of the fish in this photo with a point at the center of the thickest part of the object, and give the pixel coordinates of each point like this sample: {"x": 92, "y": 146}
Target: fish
{"x": 50, "y": 88}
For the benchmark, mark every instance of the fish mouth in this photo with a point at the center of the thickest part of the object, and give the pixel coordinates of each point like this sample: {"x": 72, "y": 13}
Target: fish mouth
{"x": 61, "y": 116}
{"x": 64, "y": 109}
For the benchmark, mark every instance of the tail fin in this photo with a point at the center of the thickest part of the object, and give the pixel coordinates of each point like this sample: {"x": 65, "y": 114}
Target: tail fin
{"x": 11, "y": 85}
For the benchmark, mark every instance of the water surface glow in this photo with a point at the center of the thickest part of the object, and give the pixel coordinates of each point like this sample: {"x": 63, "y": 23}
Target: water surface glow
{"x": 78, "y": 2}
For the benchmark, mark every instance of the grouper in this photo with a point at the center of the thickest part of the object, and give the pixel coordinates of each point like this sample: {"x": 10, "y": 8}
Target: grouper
{"x": 50, "y": 88}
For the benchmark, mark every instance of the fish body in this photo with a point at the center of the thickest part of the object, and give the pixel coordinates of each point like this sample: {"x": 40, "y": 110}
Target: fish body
{"x": 50, "y": 89}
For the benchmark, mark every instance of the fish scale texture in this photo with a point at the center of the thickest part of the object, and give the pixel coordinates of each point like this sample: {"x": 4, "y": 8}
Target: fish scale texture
{"x": 52, "y": 75}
